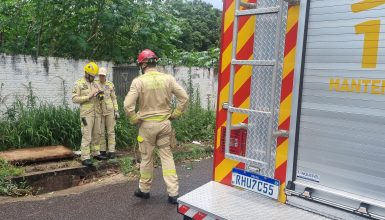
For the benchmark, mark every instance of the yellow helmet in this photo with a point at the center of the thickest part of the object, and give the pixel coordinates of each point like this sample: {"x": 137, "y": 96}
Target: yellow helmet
{"x": 91, "y": 68}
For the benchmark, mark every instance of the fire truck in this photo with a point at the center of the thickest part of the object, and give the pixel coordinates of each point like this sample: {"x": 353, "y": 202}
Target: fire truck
{"x": 300, "y": 127}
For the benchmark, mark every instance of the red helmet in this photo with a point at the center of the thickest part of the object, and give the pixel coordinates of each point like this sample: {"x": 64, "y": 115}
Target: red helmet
{"x": 146, "y": 55}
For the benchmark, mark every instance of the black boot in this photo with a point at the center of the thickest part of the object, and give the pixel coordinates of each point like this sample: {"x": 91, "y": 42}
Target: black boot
{"x": 87, "y": 162}
{"x": 100, "y": 157}
{"x": 103, "y": 153}
{"x": 173, "y": 199}
{"x": 141, "y": 194}
{"x": 111, "y": 155}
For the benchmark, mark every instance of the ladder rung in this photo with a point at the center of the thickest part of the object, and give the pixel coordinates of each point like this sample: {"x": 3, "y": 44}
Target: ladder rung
{"x": 259, "y": 11}
{"x": 238, "y": 126}
{"x": 254, "y": 62}
{"x": 245, "y": 160}
{"x": 248, "y": 5}
{"x": 247, "y": 111}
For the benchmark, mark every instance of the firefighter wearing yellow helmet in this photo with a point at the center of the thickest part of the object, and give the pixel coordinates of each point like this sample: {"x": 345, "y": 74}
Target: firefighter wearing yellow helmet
{"x": 154, "y": 91}
{"x": 87, "y": 93}
{"x": 110, "y": 113}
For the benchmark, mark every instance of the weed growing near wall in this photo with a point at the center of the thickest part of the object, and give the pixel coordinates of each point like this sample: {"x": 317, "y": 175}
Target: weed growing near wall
{"x": 27, "y": 124}
{"x": 6, "y": 186}
{"x": 196, "y": 123}
{"x": 42, "y": 125}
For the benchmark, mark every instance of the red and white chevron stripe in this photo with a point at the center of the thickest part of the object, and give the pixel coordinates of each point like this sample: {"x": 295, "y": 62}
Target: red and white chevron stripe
{"x": 194, "y": 214}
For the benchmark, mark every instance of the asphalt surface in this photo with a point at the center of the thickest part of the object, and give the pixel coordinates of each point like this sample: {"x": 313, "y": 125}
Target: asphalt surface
{"x": 114, "y": 201}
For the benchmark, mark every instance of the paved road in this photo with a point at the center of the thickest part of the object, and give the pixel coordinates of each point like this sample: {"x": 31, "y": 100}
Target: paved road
{"x": 112, "y": 202}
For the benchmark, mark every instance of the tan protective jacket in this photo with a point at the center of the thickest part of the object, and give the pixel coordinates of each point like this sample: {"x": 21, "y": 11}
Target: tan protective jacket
{"x": 109, "y": 104}
{"x": 154, "y": 91}
{"x": 80, "y": 95}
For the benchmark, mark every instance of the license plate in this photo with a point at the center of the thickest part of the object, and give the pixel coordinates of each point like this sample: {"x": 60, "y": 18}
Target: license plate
{"x": 256, "y": 183}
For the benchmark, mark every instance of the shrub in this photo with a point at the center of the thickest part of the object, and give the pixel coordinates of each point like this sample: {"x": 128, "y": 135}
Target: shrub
{"x": 46, "y": 125}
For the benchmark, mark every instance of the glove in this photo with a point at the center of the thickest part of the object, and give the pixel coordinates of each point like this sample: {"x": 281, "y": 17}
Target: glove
{"x": 133, "y": 118}
{"x": 176, "y": 114}
{"x": 117, "y": 115}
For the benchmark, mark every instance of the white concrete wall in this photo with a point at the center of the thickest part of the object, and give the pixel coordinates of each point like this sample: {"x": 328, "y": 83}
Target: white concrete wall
{"x": 202, "y": 78}
{"x": 50, "y": 78}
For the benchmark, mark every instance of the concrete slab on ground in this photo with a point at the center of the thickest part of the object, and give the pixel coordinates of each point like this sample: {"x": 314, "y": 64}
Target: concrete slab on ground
{"x": 37, "y": 154}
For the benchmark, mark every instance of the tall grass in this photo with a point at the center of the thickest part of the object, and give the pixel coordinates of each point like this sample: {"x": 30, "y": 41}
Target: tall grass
{"x": 39, "y": 126}
{"x": 28, "y": 124}
{"x": 46, "y": 124}
{"x": 196, "y": 123}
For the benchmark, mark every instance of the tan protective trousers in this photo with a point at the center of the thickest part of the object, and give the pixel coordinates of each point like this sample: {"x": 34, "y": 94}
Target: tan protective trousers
{"x": 153, "y": 134}
{"x": 108, "y": 123}
{"x": 90, "y": 126}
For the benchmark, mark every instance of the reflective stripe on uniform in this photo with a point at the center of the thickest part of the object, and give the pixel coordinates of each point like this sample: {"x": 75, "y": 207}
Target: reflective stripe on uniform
{"x": 140, "y": 139}
{"x": 96, "y": 148}
{"x": 157, "y": 118}
{"x": 145, "y": 175}
{"x": 111, "y": 142}
{"x": 169, "y": 172}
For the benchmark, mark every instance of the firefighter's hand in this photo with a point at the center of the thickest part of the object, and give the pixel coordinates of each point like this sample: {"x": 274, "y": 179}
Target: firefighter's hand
{"x": 172, "y": 117}
{"x": 93, "y": 93}
{"x": 136, "y": 121}
{"x": 176, "y": 114}
{"x": 133, "y": 119}
{"x": 117, "y": 115}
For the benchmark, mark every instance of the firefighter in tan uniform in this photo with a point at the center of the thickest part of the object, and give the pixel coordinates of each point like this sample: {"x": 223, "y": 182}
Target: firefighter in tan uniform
{"x": 86, "y": 93}
{"x": 154, "y": 91}
{"x": 110, "y": 113}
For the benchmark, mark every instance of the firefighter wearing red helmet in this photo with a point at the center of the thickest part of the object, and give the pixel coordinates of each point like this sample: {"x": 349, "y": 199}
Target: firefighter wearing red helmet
{"x": 154, "y": 90}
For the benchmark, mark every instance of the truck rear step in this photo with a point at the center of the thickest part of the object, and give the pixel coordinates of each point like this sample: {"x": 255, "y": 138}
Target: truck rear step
{"x": 218, "y": 201}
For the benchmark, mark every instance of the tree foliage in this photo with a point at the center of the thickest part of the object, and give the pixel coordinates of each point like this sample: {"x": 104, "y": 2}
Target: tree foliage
{"x": 200, "y": 24}
{"x": 112, "y": 30}
{"x": 196, "y": 58}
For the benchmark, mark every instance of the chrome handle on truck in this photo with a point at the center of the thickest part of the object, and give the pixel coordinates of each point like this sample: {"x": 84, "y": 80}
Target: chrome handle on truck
{"x": 281, "y": 133}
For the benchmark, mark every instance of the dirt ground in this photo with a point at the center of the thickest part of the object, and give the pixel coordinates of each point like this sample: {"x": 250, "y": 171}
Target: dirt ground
{"x": 103, "y": 181}
{"x": 107, "y": 177}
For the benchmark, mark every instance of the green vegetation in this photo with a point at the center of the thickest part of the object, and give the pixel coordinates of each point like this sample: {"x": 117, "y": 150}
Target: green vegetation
{"x": 113, "y": 30}
{"x": 196, "y": 123}
{"x": 193, "y": 59}
{"x": 6, "y": 186}
{"x": 7, "y": 170}
{"x": 41, "y": 125}
{"x": 200, "y": 25}
{"x": 127, "y": 165}
{"x": 28, "y": 124}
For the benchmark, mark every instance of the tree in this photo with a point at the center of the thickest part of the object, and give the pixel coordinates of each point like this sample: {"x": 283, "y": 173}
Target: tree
{"x": 113, "y": 30}
{"x": 201, "y": 24}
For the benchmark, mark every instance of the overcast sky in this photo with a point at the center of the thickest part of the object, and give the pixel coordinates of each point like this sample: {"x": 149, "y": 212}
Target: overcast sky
{"x": 215, "y": 3}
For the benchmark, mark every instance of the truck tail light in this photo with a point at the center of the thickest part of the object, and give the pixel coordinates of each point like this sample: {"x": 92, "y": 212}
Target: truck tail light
{"x": 237, "y": 140}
